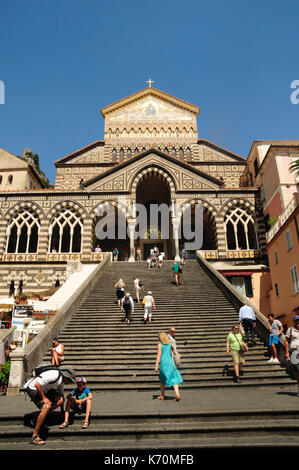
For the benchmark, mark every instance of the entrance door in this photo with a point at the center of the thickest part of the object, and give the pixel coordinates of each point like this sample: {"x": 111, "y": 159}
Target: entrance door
{"x": 147, "y": 247}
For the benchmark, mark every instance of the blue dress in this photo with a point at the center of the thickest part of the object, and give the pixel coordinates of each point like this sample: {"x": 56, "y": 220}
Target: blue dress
{"x": 169, "y": 374}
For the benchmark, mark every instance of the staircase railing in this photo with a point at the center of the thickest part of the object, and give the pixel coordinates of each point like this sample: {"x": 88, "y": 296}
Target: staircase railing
{"x": 237, "y": 300}
{"x": 24, "y": 360}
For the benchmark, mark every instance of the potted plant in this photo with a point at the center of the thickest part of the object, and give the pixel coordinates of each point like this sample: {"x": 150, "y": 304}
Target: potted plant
{"x": 4, "y": 376}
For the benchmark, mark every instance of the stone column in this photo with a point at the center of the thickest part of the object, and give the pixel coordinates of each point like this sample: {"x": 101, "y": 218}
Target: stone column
{"x": 175, "y": 226}
{"x": 16, "y": 376}
{"x": 43, "y": 240}
{"x": 87, "y": 239}
{"x": 131, "y": 227}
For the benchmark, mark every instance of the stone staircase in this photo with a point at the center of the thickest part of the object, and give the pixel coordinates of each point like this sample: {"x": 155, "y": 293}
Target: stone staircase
{"x": 115, "y": 356}
{"x": 118, "y": 361}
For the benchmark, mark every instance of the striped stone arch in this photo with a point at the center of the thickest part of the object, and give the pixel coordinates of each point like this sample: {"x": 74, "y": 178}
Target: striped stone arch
{"x": 23, "y": 224}
{"x": 210, "y": 221}
{"x": 161, "y": 173}
{"x": 236, "y": 202}
{"x": 72, "y": 205}
{"x": 241, "y": 222}
{"x": 204, "y": 203}
{"x": 66, "y": 227}
{"x": 24, "y": 206}
{"x": 119, "y": 205}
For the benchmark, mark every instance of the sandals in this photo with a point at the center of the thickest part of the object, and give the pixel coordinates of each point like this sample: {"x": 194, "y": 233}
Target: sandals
{"x": 37, "y": 441}
{"x": 160, "y": 397}
{"x": 85, "y": 425}
{"x": 64, "y": 425}
{"x": 177, "y": 398}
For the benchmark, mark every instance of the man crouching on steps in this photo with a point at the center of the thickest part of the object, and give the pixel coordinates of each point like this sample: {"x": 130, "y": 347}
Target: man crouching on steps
{"x": 47, "y": 392}
{"x": 78, "y": 400}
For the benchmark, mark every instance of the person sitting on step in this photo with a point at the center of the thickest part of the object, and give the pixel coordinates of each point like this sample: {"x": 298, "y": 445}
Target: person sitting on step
{"x": 79, "y": 400}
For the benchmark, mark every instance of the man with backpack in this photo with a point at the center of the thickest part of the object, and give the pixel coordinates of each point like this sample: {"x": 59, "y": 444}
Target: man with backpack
{"x": 127, "y": 306}
{"x": 46, "y": 390}
{"x": 292, "y": 345}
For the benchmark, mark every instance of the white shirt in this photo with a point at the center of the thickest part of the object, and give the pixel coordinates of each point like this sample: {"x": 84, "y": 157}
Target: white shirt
{"x": 246, "y": 312}
{"x": 293, "y": 334}
{"x": 148, "y": 301}
{"x": 44, "y": 379}
{"x": 59, "y": 350}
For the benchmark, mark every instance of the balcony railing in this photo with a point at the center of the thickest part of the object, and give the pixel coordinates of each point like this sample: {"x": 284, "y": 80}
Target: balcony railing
{"x": 33, "y": 257}
{"x": 243, "y": 254}
{"x": 282, "y": 218}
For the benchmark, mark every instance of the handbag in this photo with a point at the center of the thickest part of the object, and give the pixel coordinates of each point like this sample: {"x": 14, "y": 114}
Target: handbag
{"x": 176, "y": 357}
{"x": 243, "y": 348}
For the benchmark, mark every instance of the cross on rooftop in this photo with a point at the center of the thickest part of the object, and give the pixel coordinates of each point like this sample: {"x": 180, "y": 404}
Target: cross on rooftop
{"x": 150, "y": 81}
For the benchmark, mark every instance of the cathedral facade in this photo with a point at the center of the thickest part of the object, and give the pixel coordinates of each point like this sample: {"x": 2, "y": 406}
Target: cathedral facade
{"x": 151, "y": 154}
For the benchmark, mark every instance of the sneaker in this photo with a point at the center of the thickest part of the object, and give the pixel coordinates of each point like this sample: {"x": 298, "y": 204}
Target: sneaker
{"x": 271, "y": 360}
{"x": 276, "y": 361}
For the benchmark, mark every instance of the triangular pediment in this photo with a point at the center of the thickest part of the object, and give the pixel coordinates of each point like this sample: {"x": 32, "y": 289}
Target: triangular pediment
{"x": 212, "y": 153}
{"x": 149, "y": 103}
{"x": 121, "y": 178}
{"x": 92, "y": 153}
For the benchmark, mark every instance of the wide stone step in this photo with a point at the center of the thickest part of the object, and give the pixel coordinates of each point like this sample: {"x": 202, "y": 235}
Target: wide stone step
{"x": 103, "y": 431}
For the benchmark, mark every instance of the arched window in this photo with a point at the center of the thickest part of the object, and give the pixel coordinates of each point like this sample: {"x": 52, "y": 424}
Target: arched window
{"x": 136, "y": 151}
{"x": 173, "y": 152}
{"x": 188, "y": 154}
{"x": 121, "y": 154}
{"x": 240, "y": 229}
{"x": 129, "y": 153}
{"x": 166, "y": 150}
{"x": 65, "y": 232}
{"x": 1, "y": 178}
{"x": 10, "y": 178}
{"x": 181, "y": 153}
{"x": 22, "y": 232}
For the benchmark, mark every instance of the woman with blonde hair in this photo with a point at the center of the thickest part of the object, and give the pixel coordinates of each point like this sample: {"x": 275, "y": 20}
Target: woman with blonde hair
{"x": 165, "y": 365}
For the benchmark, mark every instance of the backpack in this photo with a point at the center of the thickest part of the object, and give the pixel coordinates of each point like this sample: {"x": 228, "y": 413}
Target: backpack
{"x": 38, "y": 370}
{"x": 126, "y": 302}
{"x": 140, "y": 284}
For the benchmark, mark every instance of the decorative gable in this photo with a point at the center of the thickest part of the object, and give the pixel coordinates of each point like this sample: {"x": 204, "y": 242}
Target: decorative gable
{"x": 122, "y": 178}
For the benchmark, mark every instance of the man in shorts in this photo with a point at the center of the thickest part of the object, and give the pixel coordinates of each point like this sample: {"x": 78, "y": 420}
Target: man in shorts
{"x": 176, "y": 271}
{"x": 292, "y": 344}
{"x": 276, "y": 328}
{"x": 47, "y": 392}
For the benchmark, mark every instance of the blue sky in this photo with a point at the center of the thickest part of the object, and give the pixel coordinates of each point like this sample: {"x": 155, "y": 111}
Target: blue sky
{"x": 61, "y": 61}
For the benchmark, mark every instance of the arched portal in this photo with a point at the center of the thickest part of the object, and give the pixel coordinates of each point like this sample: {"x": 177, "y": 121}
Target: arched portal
{"x": 153, "y": 192}
{"x": 110, "y": 229}
{"x": 204, "y": 229}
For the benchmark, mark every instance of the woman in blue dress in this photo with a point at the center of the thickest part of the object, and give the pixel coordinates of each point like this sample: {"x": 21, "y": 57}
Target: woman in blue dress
{"x": 165, "y": 365}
